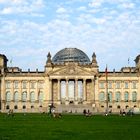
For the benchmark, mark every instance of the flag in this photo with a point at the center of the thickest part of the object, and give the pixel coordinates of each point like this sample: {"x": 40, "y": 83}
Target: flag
{"x": 128, "y": 61}
{"x": 11, "y": 61}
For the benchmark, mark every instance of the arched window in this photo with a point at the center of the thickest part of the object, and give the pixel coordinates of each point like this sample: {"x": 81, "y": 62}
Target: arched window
{"x": 15, "y": 107}
{"x": 24, "y": 96}
{"x": 41, "y": 97}
{"x": 134, "y": 96}
{"x": 110, "y": 96}
{"x": 24, "y": 107}
{"x": 32, "y": 96}
{"x": 8, "y": 96}
{"x": 16, "y": 96}
{"x": 7, "y": 107}
{"x": 126, "y": 98}
{"x": 117, "y": 97}
{"x": 118, "y": 106}
{"x": 101, "y": 96}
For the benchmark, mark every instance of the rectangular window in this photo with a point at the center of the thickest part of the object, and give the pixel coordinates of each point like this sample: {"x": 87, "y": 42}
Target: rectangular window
{"x": 109, "y": 85}
{"x": 32, "y": 85}
{"x": 15, "y": 84}
{"x": 40, "y": 84}
{"x": 118, "y": 85}
{"x": 24, "y": 84}
{"x": 126, "y": 85}
{"x": 134, "y": 85}
{"x": 101, "y": 85}
{"x": 8, "y": 84}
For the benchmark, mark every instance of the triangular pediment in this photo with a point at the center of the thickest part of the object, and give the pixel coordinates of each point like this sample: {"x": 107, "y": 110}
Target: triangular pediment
{"x": 72, "y": 70}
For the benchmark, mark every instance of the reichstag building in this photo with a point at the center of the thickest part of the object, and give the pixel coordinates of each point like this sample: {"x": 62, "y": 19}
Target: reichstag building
{"x": 71, "y": 82}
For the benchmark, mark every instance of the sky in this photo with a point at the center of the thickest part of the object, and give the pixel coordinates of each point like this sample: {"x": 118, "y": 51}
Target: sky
{"x": 29, "y": 29}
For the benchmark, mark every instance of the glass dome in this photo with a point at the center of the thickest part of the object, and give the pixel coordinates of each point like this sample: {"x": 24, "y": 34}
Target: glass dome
{"x": 70, "y": 55}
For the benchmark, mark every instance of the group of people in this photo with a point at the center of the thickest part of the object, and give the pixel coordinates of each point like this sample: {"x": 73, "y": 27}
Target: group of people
{"x": 87, "y": 113}
{"x": 124, "y": 113}
{"x": 53, "y": 113}
{"x": 10, "y": 112}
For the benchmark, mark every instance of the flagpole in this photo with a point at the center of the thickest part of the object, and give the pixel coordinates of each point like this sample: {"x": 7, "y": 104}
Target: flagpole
{"x": 106, "y": 75}
{"x": 128, "y": 61}
{"x": 11, "y": 62}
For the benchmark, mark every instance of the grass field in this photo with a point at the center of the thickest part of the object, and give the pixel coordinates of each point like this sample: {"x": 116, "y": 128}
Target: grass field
{"x": 69, "y": 127}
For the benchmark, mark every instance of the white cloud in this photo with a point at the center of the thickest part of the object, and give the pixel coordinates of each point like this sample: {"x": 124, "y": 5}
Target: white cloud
{"x": 37, "y": 15}
{"x": 17, "y": 1}
{"x": 127, "y": 5}
{"x": 82, "y": 8}
{"x": 61, "y": 10}
{"x": 2, "y": 1}
{"x": 96, "y": 3}
{"x": 22, "y": 7}
{"x": 105, "y": 30}
{"x": 7, "y": 10}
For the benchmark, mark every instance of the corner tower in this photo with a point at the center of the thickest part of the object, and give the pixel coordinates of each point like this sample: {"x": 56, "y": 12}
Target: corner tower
{"x": 137, "y": 61}
{"x": 3, "y": 63}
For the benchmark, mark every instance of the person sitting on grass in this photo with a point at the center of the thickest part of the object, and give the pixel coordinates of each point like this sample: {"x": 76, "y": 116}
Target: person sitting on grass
{"x": 86, "y": 113}
{"x": 123, "y": 113}
{"x": 56, "y": 115}
{"x": 10, "y": 112}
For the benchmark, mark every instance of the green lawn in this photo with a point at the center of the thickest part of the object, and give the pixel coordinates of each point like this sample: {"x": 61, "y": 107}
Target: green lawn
{"x": 69, "y": 127}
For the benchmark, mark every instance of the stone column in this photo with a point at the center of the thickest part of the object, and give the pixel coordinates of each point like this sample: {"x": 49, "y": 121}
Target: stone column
{"x": 12, "y": 95}
{"x": 37, "y": 91}
{"x": 138, "y": 87}
{"x": 50, "y": 93}
{"x": 3, "y": 94}
{"x": 20, "y": 96}
{"x": 122, "y": 92}
{"x": 67, "y": 94}
{"x": 59, "y": 94}
{"x": 28, "y": 90}
{"x": 130, "y": 91}
{"x": 84, "y": 90}
{"x": 92, "y": 90}
{"x": 114, "y": 93}
{"x": 76, "y": 90}
{"x": 12, "y": 91}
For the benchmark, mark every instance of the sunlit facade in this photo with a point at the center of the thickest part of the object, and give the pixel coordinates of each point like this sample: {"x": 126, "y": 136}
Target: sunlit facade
{"x": 71, "y": 82}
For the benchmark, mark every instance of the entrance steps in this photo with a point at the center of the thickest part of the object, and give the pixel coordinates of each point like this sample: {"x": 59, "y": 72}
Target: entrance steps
{"x": 71, "y": 108}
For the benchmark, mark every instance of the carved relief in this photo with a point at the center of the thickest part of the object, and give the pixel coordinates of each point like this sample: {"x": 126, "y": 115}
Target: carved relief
{"x": 72, "y": 70}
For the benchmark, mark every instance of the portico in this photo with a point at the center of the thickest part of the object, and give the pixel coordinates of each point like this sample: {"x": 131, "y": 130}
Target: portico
{"x": 70, "y": 90}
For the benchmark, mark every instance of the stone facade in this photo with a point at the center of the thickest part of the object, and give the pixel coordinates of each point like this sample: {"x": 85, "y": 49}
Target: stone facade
{"x": 70, "y": 86}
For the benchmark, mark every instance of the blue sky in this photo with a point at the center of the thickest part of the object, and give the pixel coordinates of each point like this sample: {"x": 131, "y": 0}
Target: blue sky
{"x": 29, "y": 29}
